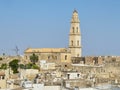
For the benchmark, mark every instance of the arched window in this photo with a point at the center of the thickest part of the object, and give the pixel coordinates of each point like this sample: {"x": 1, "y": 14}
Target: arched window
{"x": 77, "y": 30}
{"x": 71, "y": 42}
{"x": 73, "y": 30}
{"x": 65, "y": 57}
{"x": 48, "y": 57}
{"x": 56, "y": 57}
{"x": 78, "y": 43}
{"x": 77, "y": 55}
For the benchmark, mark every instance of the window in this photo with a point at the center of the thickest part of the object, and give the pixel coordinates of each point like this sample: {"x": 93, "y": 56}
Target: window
{"x": 71, "y": 42}
{"x": 68, "y": 76}
{"x": 26, "y": 57}
{"x": 78, "y": 43}
{"x": 78, "y": 75}
{"x": 3, "y": 77}
{"x": 56, "y": 57}
{"x": 65, "y": 57}
{"x": 77, "y": 29}
{"x": 77, "y": 55}
{"x": 48, "y": 57}
{"x": 65, "y": 65}
{"x": 73, "y": 30}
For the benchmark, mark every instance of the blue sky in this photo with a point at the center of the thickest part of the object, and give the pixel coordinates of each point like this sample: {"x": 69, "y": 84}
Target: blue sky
{"x": 46, "y": 23}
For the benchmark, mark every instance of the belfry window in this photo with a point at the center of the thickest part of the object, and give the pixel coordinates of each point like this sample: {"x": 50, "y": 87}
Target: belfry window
{"x": 77, "y": 29}
{"x": 71, "y": 42}
{"x": 73, "y": 30}
{"x": 65, "y": 57}
{"x": 78, "y": 43}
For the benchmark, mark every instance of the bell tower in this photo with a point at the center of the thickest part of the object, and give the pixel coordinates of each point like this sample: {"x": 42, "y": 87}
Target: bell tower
{"x": 75, "y": 36}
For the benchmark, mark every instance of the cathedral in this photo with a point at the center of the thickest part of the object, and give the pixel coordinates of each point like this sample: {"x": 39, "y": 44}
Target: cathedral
{"x": 61, "y": 54}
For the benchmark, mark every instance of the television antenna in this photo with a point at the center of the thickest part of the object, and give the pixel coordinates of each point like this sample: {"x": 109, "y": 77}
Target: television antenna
{"x": 16, "y": 50}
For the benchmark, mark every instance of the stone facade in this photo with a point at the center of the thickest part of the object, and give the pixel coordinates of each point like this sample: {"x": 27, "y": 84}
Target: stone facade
{"x": 50, "y": 54}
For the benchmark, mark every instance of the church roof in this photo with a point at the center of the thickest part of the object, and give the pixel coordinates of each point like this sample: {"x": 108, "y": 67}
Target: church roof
{"x": 45, "y": 50}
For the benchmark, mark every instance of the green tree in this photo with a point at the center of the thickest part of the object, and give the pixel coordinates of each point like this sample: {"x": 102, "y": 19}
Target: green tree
{"x": 28, "y": 66}
{"x": 14, "y": 65}
{"x": 35, "y": 67}
{"x": 3, "y": 66}
{"x": 22, "y": 66}
{"x": 34, "y": 58}
{"x": 32, "y": 66}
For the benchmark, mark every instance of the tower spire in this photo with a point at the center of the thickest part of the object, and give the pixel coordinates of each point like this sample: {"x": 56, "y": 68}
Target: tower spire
{"x": 75, "y": 18}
